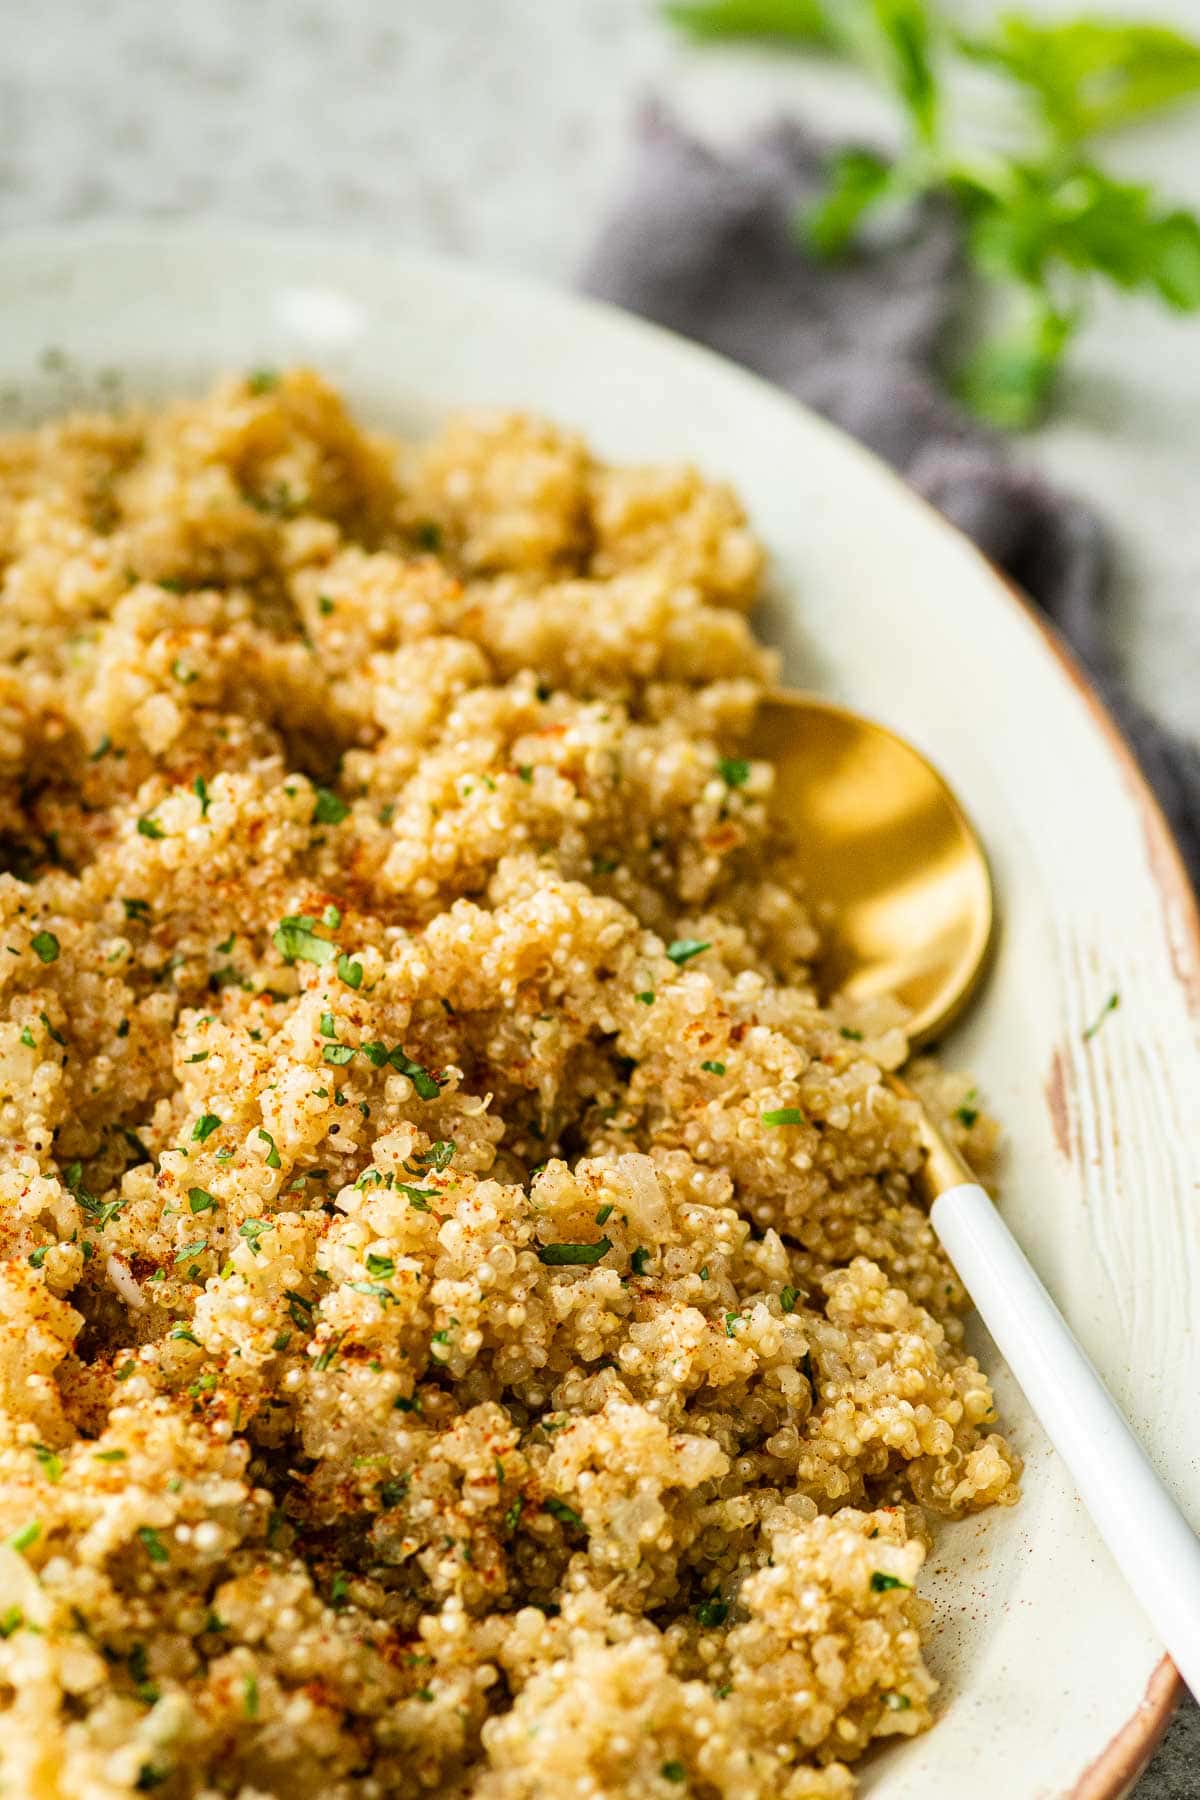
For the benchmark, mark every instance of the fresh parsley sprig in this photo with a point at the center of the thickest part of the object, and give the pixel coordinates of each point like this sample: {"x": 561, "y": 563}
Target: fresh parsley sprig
{"x": 1041, "y": 223}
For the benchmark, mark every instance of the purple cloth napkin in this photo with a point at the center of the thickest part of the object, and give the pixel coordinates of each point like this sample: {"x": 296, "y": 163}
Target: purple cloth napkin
{"x": 704, "y": 243}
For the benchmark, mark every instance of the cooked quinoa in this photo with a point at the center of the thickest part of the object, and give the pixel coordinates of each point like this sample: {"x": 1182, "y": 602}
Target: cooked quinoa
{"x": 468, "y": 1324}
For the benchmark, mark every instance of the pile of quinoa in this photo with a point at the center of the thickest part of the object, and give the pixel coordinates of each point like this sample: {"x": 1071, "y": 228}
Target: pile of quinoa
{"x": 467, "y": 1322}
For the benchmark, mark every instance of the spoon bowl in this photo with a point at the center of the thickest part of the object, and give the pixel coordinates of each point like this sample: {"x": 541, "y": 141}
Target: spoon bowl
{"x": 882, "y": 842}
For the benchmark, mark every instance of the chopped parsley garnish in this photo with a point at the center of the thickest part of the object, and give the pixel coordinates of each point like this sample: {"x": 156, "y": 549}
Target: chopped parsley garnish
{"x": 200, "y": 789}
{"x": 732, "y": 1321}
{"x": 966, "y": 1115}
{"x": 250, "y": 1697}
{"x": 200, "y": 1200}
{"x": 56, "y": 1036}
{"x": 100, "y": 1211}
{"x": 895, "y": 1702}
{"x": 639, "y": 1259}
{"x": 45, "y": 946}
{"x": 253, "y": 1229}
{"x": 324, "y": 605}
{"x": 788, "y": 1297}
{"x": 673, "y": 1771}
{"x": 437, "y": 1157}
{"x": 512, "y": 1517}
{"x": 427, "y": 1085}
{"x": 525, "y": 772}
{"x": 328, "y": 1025}
{"x": 112, "y": 1456}
{"x": 734, "y": 771}
{"x": 1110, "y": 1005}
{"x": 149, "y": 827}
{"x": 713, "y": 1068}
{"x": 338, "y": 1054}
{"x": 329, "y": 1352}
{"x": 712, "y": 1611}
{"x": 783, "y": 1115}
{"x": 185, "y": 1336}
{"x": 604, "y": 1214}
{"x": 646, "y": 998}
{"x": 296, "y": 941}
{"x": 183, "y": 675}
{"x": 227, "y": 946}
{"x": 262, "y": 381}
{"x": 25, "y": 1536}
{"x": 332, "y": 916}
{"x": 566, "y": 1515}
{"x": 136, "y": 909}
{"x": 299, "y": 1309}
{"x": 683, "y": 950}
{"x": 428, "y": 535}
{"x": 329, "y": 810}
{"x": 418, "y": 1197}
{"x": 156, "y": 1550}
{"x": 381, "y": 1266}
{"x": 28, "y": 1039}
{"x": 199, "y": 1057}
{"x": 848, "y": 1031}
{"x": 12, "y": 1620}
{"x": 204, "y": 1127}
{"x": 375, "y": 1289}
{"x": 190, "y": 1250}
{"x": 272, "y": 1153}
{"x": 51, "y": 1465}
{"x": 559, "y": 1256}
{"x": 881, "y": 1583}
{"x": 37, "y": 1257}
{"x": 102, "y": 748}
{"x": 349, "y": 972}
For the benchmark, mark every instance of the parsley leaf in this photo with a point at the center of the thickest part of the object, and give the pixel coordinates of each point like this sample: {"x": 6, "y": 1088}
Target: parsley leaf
{"x": 683, "y": 950}
{"x": 1087, "y": 75}
{"x": 329, "y": 810}
{"x": 349, "y": 972}
{"x": 734, "y": 771}
{"x": 1041, "y": 218}
{"x": 558, "y": 1256}
{"x": 296, "y": 941}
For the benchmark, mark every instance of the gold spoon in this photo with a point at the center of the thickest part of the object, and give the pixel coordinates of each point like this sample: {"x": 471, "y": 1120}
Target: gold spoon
{"x": 882, "y": 839}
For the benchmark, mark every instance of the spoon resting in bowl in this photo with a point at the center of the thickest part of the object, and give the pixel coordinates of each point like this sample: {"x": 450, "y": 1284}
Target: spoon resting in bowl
{"x": 885, "y": 843}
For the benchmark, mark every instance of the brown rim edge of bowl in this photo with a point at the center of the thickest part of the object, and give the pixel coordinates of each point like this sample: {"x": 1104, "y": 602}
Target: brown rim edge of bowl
{"x": 1111, "y": 1774}
{"x": 1121, "y": 1762}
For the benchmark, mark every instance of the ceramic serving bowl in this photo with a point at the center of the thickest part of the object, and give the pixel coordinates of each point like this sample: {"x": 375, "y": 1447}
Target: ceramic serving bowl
{"x": 1052, "y": 1683}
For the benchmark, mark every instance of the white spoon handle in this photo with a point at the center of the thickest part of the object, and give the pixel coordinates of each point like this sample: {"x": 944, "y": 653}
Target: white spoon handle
{"x": 1154, "y": 1546}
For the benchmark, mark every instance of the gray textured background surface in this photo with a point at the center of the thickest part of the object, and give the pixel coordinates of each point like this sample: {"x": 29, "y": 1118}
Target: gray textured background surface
{"x": 496, "y": 129}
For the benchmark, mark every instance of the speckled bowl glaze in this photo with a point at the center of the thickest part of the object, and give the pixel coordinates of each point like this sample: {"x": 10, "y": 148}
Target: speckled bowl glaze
{"x": 1052, "y": 1683}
